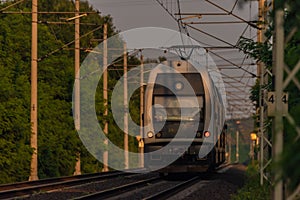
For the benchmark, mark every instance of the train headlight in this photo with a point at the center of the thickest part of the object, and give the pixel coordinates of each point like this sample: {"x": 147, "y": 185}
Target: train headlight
{"x": 206, "y": 134}
{"x": 178, "y": 86}
{"x": 150, "y": 134}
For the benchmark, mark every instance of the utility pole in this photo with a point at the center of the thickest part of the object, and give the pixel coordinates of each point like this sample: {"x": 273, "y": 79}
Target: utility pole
{"x": 141, "y": 143}
{"x": 77, "y": 65}
{"x": 105, "y": 98}
{"x": 77, "y": 80}
{"x": 278, "y": 121}
{"x": 126, "y": 160}
{"x": 34, "y": 105}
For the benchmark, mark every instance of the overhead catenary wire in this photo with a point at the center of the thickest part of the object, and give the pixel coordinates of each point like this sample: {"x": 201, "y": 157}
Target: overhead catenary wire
{"x": 231, "y": 13}
{"x": 123, "y": 3}
{"x": 234, "y": 5}
{"x": 240, "y": 63}
{"x": 110, "y": 64}
{"x": 210, "y": 35}
{"x": 46, "y": 12}
{"x": 11, "y": 5}
{"x": 66, "y": 45}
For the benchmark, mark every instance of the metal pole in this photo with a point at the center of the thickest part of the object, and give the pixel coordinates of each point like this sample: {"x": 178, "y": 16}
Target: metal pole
{"x": 263, "y": 78}
{"x": 261, "y": 126}
{"x": 141, "y": 159}
{"x": 260, "y": 72}
{"x": 34, "y": 105}
{"x": 237, "y": 147}
{"x": 77, "y": 80}
{"x": 105, "y": 97}
{"x": 278, "y": 121}
{"x": 126, "y": 160}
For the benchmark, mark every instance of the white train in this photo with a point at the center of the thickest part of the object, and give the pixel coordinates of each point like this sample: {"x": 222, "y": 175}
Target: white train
{"x": 183, "y": 119}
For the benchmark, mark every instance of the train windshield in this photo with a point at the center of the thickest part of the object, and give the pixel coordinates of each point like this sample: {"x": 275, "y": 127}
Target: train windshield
{"x": 170, "y": 108}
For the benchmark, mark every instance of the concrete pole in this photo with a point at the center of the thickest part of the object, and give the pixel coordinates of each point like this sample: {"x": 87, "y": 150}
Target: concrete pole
{"x": 77, "y": 81}
{"x": 126, "y": 159}
{"x": 77, "y": 65}
{"x": 34, "y": 103}
{"x": 77, "y": 165}
{"x": 105, "y": 97}
{"x": 141, "y": 159}
{"x": 278, "y": 121}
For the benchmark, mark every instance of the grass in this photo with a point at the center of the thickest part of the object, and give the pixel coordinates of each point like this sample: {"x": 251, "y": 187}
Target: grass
{"x": 252, "y": 189}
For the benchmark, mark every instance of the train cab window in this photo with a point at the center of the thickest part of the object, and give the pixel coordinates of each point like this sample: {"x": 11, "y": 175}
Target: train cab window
{"x": 171, "y": 108}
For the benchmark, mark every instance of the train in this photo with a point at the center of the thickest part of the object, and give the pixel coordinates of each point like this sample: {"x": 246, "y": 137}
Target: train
{"x": 184, "y": 119}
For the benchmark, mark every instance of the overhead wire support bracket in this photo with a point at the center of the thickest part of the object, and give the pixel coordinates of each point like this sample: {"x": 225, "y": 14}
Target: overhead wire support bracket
{"x": 216, "y": 13}
{"x": 177, "y": 48}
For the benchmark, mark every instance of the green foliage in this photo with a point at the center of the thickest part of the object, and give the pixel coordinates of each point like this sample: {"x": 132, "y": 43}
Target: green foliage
{"x": 14, "y": 160}
{"x": 15, "y": 99}
{"x": 291, "y": 157}
{"x": 252, "y": 190}
{"x": 259, "y": 51}
{"x": 58, "y": 142}
{"x": 255, "y": 92}
{"x": 263, "y": 52}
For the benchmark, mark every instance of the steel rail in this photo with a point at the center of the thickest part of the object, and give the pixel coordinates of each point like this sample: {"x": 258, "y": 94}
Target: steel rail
{"x": 174, "y": 190}
{"x": 116, "y": 190}
{"x": 29, "y": 187}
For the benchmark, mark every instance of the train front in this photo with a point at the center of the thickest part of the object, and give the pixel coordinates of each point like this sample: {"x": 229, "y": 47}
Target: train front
{"x": 175, "y": 119}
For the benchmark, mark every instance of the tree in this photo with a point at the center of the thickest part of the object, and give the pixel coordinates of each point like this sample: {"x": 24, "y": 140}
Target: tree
{"x": 14, "y": 99}
{"x": 57, "y": 139}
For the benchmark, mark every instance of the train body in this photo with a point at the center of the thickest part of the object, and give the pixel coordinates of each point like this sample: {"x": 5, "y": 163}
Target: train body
{"x": 183, "y": 119}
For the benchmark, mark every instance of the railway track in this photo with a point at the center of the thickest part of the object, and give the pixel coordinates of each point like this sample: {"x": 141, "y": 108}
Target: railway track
{"x": 149, "y": 189}
{"x": 115, "y": 192}
{"x": 27, "y": 188}
{"x": 169, "y": 192}
{"x": 109, "y": 185}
